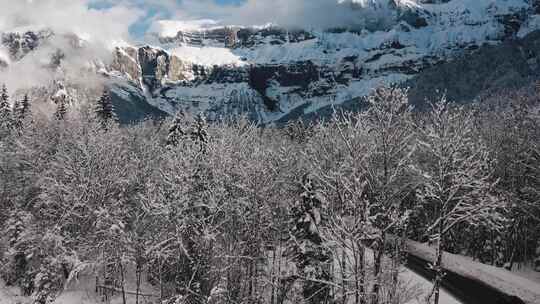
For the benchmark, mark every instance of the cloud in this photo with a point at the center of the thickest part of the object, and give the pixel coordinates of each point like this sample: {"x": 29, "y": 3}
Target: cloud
{"x": 291, "y": 13}
{"x": 104, "y": 23}
{"x": 99, "y": 28}
{"x": 73, "y": 16}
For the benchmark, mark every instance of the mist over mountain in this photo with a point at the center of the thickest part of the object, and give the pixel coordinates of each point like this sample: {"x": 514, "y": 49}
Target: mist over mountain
{"x": 305, "y": 14}
{"x": 269, "y": 60}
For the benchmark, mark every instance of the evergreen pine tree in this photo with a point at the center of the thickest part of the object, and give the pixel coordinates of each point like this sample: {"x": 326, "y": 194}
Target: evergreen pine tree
{"x": 199, "y": 132}
{"x": 312, "y": 258}
{"x": 61, "y": 109}
{"x": 4, "y": 97}
{"x": 175, "y": 132}
{"x": 21, "y": 110}
{"x": 24, "y": 108}
{"x": 16, "y": 115}
{"x": 6, "y": 121}
{"x": 104, "y": 110}
{"x": 298, "y": 131}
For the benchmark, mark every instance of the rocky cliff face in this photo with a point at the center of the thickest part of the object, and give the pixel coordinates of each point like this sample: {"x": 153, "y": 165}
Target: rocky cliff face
{"x": 272, "y": 74}
{"x": 269, "y": 72}
{"x": 19, "y": 44}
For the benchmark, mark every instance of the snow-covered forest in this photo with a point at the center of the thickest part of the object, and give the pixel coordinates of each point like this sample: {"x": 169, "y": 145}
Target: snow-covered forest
{"x": 190, "y": 211}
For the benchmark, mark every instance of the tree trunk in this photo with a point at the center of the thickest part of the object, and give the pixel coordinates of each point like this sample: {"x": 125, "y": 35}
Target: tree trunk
{"x": 438, "y": 274}
{"x": 493, "y": 253}
{"x": 160, "y": 280}
{"x": 359, "y": 273}
{"x": 123, "y": 281}
{"x": 356, "y": 276}
{"x": 437, "y": 266}
{"x": 273, "y": 277}
{"x": 138, "y": 282}
{"x": 395, "y": 270}
{"x": 515, "y": 236}
{"x": 343, "y": 265}
{"x": 377, "y": 266}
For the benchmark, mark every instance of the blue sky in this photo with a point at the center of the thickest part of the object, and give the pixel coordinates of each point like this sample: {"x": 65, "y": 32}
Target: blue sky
{"x": 107, "y": 20}
{"x": 153, "y": 9}
{"x": 307, "y": 14}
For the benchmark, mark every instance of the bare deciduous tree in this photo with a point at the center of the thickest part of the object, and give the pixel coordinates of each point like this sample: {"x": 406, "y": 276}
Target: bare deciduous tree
{"x": 457, "y": 177}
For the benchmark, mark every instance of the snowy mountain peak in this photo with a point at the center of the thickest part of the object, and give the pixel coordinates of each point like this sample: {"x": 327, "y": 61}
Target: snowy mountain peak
{"x": 171, "y": 28}
{"x": 272, "y": 71}
{"x": 269, "y": 72}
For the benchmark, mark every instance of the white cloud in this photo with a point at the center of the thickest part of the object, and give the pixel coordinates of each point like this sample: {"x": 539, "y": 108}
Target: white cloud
{"x": 99, "y": 28}
{"x": 73, "y": 16}
{"x": 291, "y": 13}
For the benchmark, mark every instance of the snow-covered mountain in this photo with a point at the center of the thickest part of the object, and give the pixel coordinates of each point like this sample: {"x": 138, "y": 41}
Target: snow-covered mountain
{"x": 272, "y": 73}
{"x": 269, "y": 72}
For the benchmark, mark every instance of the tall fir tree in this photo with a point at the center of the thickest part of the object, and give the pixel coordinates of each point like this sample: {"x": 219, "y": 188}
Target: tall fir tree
{"x": 24, "y": 108}
{"x": 104, "y": 110}
{"x": 199, "y": 131}
{"x": 176, "y": 132}
{"x": 61, "y": 109}
{"x": 6, "y": 120}
{"x": 308, "y": 251}
{"x": 21, "y": 111}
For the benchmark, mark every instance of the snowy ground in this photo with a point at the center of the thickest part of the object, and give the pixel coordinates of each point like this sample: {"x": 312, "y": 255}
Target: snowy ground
{"x": 524, "y": 270}
{"x": 425, "y": 288}
{"x": 413, "y": 288}
{"x": 527, "y": 271}
{"x": 10, "y": 295}
{"x": 83, "y": 292}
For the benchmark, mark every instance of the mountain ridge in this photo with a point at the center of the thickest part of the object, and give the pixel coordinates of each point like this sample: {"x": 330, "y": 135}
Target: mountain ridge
{"x": 269, "y": 72}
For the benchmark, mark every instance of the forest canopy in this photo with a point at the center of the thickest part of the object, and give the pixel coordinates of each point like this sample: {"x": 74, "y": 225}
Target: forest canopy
{"x": 232, "y": 212}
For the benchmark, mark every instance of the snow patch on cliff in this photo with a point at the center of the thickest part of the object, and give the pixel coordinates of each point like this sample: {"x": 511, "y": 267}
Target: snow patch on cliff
{"x": 532, "y": 24}
{"x": 208, "y": 56}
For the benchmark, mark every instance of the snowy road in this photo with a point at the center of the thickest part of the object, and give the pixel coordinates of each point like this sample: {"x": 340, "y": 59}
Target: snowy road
{"x": 426, "y": 285}
{"x": 419, "y": 281}
{"x": 466, "y": 290}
